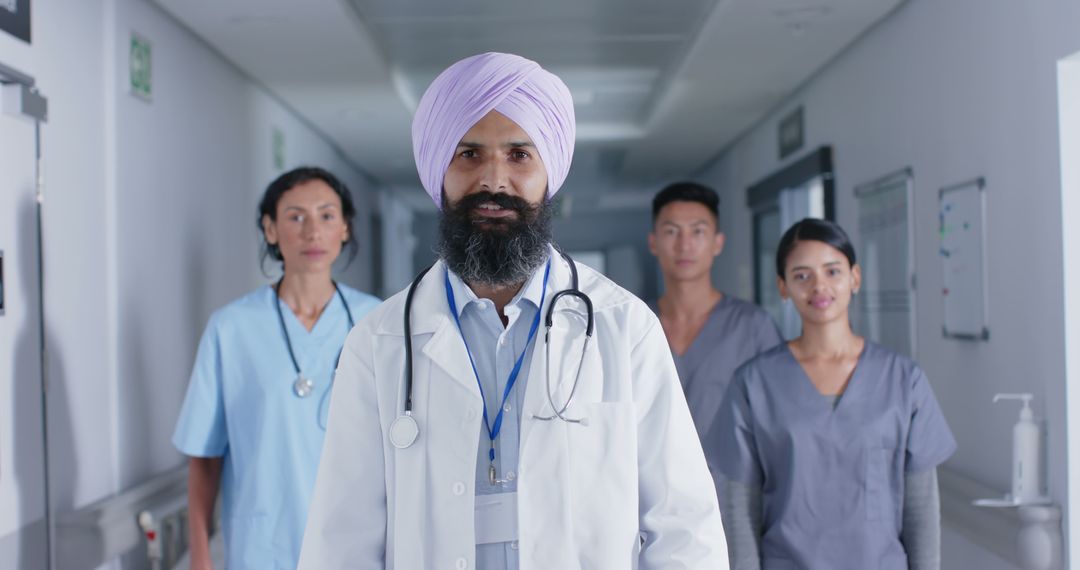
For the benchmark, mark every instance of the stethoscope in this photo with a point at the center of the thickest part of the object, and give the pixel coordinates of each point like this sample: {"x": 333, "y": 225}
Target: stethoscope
{"x": 404, "y": 430}
{"x": 304, "y": 386}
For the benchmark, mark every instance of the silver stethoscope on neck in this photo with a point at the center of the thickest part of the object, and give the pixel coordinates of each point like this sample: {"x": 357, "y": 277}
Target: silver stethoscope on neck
{"x": 404, "y": 430}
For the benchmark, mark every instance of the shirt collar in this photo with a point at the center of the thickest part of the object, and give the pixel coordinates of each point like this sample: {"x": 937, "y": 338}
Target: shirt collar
{"x": 532, "y": 292}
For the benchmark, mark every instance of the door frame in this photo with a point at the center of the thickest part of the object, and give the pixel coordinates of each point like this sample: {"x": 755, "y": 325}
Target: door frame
{"x": 1069, "y": 133}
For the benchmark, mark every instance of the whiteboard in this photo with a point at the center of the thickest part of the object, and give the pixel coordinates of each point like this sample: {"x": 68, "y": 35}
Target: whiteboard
{"x": 962, "y": 230}
{"x": 885, "y": 305}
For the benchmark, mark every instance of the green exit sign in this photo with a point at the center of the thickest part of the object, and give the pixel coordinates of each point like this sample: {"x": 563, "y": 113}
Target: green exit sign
{"x": 140, "y": 67}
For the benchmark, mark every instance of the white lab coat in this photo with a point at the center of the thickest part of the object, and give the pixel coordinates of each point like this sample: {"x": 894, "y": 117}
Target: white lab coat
{"x": 585, "y": 492}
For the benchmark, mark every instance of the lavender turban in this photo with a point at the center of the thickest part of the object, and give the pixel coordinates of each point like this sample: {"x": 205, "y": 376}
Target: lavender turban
{"x": 520, "y": 89}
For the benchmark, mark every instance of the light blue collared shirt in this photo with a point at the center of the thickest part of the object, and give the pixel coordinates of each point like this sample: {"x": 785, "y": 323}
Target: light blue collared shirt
{"x": 495, "y": 349}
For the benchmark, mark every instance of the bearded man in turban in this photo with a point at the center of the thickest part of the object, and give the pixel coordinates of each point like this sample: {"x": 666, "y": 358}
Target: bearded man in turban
{"x": 460, "y": 434}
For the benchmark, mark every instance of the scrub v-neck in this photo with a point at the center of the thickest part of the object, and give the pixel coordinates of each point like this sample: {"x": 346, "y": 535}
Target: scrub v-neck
{"x": 709, "y": 321}
{"x": 293, "y": 322}
{"x": 812, "y": 394}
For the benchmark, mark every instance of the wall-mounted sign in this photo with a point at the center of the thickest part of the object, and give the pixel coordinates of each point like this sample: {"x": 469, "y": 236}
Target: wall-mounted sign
{"x": 790, "y": 133}
{"x": 140, "y": 67}
{"x": 15, "y": 18}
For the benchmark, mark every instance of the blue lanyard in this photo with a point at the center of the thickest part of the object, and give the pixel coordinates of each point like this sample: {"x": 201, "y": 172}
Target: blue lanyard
{"x": 493, "y": 430}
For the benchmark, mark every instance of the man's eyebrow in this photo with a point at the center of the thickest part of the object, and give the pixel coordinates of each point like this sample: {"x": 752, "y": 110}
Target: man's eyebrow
{"x": 692, "y": 223}
{"x": 319, "y": 207}
{"x": 510, "y": 144}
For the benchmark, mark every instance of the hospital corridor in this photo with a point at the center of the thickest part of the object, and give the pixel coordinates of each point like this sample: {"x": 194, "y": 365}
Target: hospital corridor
{"x": 566, "y": 284}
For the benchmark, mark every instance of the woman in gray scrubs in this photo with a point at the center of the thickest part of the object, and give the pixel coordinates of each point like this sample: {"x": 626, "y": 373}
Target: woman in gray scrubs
{"x": 830, "y": 442}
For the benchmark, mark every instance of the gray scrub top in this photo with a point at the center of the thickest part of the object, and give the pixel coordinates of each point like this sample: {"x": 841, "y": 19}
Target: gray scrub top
{"x": 735, "y": 332}
{"x": 832, "y": 478}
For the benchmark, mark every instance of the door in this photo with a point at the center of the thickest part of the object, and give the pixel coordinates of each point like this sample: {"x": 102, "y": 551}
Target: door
{"x": 23, "y": 534}
{"x": 801, "y": 190}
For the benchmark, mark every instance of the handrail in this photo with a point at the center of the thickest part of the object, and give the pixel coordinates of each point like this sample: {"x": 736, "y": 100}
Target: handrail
{"x": 98, "y": 533}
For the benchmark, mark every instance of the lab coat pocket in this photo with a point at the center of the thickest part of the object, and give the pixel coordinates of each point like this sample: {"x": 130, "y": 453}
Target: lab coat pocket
{"x": 602, "y": 457}
{"x": 877, "y": 484}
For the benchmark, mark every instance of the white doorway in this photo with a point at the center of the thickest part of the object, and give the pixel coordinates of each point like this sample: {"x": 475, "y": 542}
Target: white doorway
{"x": 23, "y": 450}
{"x": 1069, "y": 130}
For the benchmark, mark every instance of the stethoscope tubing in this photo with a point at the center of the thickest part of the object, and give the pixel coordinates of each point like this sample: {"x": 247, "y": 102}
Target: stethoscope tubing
{"x": 404, "y": 429}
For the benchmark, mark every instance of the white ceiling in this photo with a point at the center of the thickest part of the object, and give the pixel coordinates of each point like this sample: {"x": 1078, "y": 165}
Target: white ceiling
{"x": 660, "y": 87}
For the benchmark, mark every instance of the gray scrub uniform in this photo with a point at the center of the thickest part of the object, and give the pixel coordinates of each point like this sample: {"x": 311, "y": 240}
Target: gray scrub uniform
{"x": 832, "y": 478}
{"x": 735, "y": 332}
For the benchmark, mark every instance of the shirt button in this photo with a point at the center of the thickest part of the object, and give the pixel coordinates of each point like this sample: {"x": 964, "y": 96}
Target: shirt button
{"x": 459, "y": 488}
{"x": 513, "y": 545}
{"x": 507, "y": 407}
{"x": 510, "y": 476}
{"x": 502, "y": 341}
{"x": 461, "y": 564}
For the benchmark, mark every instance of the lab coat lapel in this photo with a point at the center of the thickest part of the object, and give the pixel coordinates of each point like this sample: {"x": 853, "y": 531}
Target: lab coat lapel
{"x": 447, "y": 351}
{"x": 431, "y": 316}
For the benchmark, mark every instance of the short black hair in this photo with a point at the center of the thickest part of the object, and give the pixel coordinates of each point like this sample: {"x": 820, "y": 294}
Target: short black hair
{"x": 291, "y": 179}
{"x": 686, "y": 192}
{"x": 813, "y": 229}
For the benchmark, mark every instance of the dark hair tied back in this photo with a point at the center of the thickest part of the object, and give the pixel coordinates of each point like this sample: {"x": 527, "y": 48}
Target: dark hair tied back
{"x": 282, "y": 184}
{"x": 813, "y": 229}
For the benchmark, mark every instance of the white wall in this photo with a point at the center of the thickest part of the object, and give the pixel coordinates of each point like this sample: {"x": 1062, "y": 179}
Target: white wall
{"x": 192, "y": 166}
{"x": 955, "y": 90}
{"x": 150, "y": 225}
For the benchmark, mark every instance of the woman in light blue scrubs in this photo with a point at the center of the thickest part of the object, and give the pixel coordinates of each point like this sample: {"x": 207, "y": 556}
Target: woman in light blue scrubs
{"x": 254, "y": 417}
{"x": 830, "y": 442}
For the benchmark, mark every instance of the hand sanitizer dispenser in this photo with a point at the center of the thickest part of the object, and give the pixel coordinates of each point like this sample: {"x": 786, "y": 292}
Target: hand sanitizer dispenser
{"x": 1026, "y": 472}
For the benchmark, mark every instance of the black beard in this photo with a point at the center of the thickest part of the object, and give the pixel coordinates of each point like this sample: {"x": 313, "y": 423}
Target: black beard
{"x": 498, "y": 252}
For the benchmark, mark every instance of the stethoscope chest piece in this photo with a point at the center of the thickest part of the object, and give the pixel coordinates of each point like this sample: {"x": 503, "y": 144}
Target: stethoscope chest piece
{"x": 404, "y": 431}
{"x": 303, "y": 387}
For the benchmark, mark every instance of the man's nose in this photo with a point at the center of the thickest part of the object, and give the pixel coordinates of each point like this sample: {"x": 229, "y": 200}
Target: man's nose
{"x": 495, "y": 176}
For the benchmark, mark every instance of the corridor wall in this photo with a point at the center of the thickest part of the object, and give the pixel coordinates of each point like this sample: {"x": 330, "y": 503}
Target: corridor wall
{"x": 149, "y": 226}
{"x": 954, "y": 90}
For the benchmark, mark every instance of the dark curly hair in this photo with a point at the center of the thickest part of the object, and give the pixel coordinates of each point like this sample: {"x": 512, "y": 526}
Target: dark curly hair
{"x": 282, "y": 184}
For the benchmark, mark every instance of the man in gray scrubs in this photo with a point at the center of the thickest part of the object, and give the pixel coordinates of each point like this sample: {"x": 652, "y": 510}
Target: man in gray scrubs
{"x": 710, "y": 333}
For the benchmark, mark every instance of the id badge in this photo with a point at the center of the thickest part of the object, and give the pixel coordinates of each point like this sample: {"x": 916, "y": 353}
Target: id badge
{"x": 496, "y": 518}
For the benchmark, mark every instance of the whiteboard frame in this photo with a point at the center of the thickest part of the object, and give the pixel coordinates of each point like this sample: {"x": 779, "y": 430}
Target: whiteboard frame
{"x": 907, "y": 175}
{"x": 984, "y": 333}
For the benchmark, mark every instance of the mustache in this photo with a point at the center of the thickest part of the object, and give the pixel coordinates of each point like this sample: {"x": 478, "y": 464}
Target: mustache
{"x": 506, "y": 201}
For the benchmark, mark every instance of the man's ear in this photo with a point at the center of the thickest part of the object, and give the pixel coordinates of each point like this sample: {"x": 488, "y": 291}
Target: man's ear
{"x": 718, "y": 243}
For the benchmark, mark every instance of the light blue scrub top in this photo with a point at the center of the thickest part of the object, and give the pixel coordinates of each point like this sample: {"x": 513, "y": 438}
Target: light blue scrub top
{"x": 494, "y": 349}
{"x": 240, "y": 404}
{"x": 832, "y": 478}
